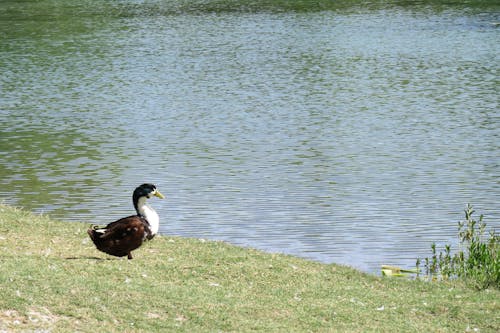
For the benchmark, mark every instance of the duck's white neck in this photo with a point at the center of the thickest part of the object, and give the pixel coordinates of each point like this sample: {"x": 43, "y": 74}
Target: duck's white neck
{"x": 150, "y": 214}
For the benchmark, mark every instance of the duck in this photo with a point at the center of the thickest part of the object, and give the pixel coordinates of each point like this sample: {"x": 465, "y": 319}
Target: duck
{"x": 121, "y": 237}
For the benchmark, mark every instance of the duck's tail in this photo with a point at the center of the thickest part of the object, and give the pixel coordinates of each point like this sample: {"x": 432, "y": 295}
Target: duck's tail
{"x": 95, "y": 232}
{"x": 91, "y": 232}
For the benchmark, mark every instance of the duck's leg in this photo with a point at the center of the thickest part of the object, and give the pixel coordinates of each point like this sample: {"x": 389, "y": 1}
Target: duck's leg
{"x": 129, "y": 255}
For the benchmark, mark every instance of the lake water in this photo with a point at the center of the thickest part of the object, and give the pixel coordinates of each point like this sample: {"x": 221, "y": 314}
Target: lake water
{"x": 339, "y": 133}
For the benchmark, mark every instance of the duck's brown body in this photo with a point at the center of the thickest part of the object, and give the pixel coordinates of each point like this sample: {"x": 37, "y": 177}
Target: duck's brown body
{"x": 120, "y": 238}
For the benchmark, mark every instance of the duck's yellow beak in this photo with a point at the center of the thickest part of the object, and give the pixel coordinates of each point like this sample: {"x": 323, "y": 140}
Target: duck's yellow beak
{"x": 158, "y": 194}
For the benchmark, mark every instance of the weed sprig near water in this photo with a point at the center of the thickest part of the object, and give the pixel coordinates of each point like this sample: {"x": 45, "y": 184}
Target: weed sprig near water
{"x": 53, "y": 279}
{"x": 478, "y": 260}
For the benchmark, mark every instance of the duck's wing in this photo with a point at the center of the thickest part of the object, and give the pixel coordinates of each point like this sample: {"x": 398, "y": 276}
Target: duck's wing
{"x": 131, "y": 226}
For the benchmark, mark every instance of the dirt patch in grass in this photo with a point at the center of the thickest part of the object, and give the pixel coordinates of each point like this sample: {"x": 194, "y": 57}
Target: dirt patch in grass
{"x": 41, "y": 318}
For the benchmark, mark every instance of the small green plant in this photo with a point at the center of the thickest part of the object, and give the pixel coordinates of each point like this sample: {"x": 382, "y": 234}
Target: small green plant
{"x": 476, "y": 262}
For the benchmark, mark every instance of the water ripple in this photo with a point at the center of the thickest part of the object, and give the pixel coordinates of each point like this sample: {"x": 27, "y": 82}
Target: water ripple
{"x": 354, "y": 137}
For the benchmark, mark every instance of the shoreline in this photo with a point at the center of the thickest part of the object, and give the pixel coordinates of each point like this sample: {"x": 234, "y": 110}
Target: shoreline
{"x": 54, "y": 279}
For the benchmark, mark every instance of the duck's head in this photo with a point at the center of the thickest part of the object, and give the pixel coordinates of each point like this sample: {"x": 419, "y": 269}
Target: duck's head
{"x": 143, "y": 192}
{"x": 148, "y": 191}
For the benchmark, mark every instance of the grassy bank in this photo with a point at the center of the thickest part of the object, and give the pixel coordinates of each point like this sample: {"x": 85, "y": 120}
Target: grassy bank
{"x": 52, "y": 278}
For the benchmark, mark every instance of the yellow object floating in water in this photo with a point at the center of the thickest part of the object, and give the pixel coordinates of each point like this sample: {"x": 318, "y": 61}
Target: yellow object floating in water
{"x": 388, "y": 270}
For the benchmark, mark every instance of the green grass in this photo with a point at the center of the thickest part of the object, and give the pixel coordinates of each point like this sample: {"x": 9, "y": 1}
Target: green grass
{"x": 52, "y": 278}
